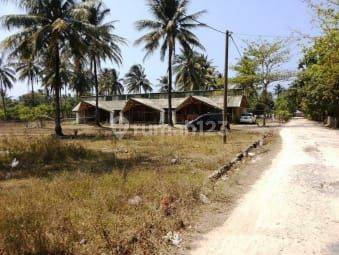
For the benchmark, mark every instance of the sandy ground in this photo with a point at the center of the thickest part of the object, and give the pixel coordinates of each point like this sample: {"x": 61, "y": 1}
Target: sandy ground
{"x": 294, "y": 207}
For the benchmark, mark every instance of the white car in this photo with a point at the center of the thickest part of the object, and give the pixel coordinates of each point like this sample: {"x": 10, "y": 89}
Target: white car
{"x": 248, "y": 118}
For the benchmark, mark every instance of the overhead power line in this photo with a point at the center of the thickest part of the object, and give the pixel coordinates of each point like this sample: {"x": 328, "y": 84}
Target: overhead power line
{"x": 249, "y": 35}
{"x": 236, "y": 46}
{"x": 206, "y": 25}
{"x": 275, "y": 36}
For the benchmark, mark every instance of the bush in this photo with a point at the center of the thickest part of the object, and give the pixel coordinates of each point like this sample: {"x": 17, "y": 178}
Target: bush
{"x": 283, "y": 115}
{"x": 2, "y": 115}
{"x": 40, "y": 112}
{"x": 283, "y": 109}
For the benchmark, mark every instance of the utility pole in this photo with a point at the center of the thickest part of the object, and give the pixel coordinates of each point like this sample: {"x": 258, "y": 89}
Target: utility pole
{"x": 225, "y": 118}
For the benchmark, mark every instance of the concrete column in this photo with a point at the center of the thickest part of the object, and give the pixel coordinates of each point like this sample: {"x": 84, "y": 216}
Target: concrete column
{"x": 121, "y": 117}
{"x": 162, "y": 117}
{"x": 174, "y": 117}
{"x": 77, "y": 117}
{"x": 111, "y": 118}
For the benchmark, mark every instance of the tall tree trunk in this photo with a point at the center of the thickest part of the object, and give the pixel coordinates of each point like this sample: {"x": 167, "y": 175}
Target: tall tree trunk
{"x": 32, "y": 85}
{"x": 97, "y": 112}
{"x": 4, "y": 103}
{"x": 170, "y": 55}
{"x": 265, "y": 103}
{"x": 58, "y": 129}
{"x": 60, "y": 99}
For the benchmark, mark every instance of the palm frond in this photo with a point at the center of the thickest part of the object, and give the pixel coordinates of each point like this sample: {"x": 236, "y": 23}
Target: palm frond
{"x": 23, "y": 20}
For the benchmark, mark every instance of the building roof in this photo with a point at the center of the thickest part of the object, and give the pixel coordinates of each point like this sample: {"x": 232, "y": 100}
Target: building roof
{"x": 232, "y": 101}
{"x": 162, "y": 104}
{"x": 151, "y": 103}
{"x": 109, "y": 106}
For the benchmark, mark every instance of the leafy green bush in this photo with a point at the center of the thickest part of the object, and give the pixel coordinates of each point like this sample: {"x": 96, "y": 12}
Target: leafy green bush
{"x": 283, "y": 115}
{"x": 2, "y": 115}
{"x": 40, "y": 112}
{"x": 282, "y": 109}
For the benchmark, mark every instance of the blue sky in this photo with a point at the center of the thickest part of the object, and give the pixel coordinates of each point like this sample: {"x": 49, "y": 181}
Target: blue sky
{"x": 264, "y": 17}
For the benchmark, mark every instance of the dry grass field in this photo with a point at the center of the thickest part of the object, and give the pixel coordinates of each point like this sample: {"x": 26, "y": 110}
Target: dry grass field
{"x": 97, "y": 194}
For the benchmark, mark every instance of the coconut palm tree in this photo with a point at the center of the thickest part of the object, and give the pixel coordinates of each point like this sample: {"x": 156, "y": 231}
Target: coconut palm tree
{"x": 105, "y": 45}
{"x": 171, "y": 25}
{"x": 163, "y": 84}
{"x": 28, "y": 69}
{"x": 48, "y": 28}
{"x": 110, "y": 83}
{"x": 188, "y": 71}
{"x": 194, "y": 71}
{"x": 278, "y": 90}
{"x": 136, "y": 80}
{"x": 208, "y": 73}
{"x": 7, "y": 78}
{"x": 81, "y": 80}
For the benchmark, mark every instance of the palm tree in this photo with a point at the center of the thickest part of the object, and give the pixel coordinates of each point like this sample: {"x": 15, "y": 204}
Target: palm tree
{"x": 48, "y": 28}
{"x": 7, "y": 78}
{"x": 171, "y": 24}
{"x": 194, "y": 71}
{"x": 163, "y": 84}
{"x": 28, "y": 69}
{"x": 188, "y": 71}
{"x": 278, "y": 90}
{"x": 81, "y": 80}
{"x": 110, "y": 83}
{"x": 105, "y": 45}
{"x": 208, "y": 73}
{"x": 136, "y": 80}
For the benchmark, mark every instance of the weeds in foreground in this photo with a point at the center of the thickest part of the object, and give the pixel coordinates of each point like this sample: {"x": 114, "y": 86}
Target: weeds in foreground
{"x": 80, "y": 211}
{"x": 45, "y": 155}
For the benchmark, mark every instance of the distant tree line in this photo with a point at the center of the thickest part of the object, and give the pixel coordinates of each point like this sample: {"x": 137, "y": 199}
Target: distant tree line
{"x": 315, "y": 92}
{"x": 62, "y": 44}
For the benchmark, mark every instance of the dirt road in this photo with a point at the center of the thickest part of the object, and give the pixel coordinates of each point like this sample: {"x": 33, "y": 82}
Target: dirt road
{"x": 294, "y": 207}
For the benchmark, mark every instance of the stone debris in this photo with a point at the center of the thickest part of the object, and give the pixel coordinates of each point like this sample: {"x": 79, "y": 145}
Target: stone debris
{"x": 237, "y": 160}
{"x": 14, "y": 163}
{"x": 83, "y": 242}
{"x": 204, "y": 199}
{"x": 175, "y": 161}
{"x": 135, "y": 200}
{"x": 251, "y": 154}
{"x": 173, "y": 238}
{"x": 225, "y": 178}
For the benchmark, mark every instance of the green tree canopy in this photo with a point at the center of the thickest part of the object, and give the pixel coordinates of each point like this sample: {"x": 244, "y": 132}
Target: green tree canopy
{"x": 194, "y": 71}
{"x": 171, "y": 25}
{"x": 261, "y": 66}
{"x": 136, "y": 80}
{"x": 110, "y": 83}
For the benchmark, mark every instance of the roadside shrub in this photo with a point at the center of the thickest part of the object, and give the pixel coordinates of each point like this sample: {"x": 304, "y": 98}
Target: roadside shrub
{"x": 2, "y": 115}
{"x": 40, "y": 112}
{"x": 283, "y": 109}
{"x": 283, "y": 116}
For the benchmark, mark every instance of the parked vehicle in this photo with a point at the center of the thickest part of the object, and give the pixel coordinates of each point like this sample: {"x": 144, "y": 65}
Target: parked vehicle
{"x": 207, "y": 122}
{"x": 248, "y": 118}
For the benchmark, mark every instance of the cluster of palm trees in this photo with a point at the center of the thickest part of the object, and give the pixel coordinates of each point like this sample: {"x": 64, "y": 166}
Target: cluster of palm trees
{"x": 64, "y": 42}
{"x": 193, "y": 72}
